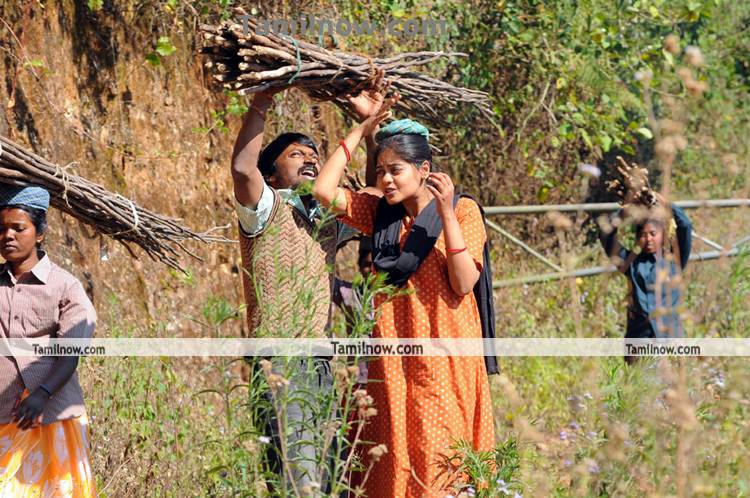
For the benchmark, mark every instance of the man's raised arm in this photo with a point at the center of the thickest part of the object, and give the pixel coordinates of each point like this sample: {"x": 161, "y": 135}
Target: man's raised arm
{"x": 248, "y": 181}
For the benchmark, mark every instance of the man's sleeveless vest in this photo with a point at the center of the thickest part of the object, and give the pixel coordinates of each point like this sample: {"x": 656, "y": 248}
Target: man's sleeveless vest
{"x": 287, "y": 274}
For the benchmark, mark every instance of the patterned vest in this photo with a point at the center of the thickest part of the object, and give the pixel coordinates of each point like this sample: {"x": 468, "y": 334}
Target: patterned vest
{"x": 288, "y": 275}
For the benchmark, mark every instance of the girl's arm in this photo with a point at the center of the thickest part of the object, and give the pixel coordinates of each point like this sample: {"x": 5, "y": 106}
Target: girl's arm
{"x": 367, "y": 103}
{"x": 371, "y": 176}
{"x": 77, "y": 320}
{"x": 463, "y": 273}
{"x": 611, "y": 242}
{"x": 29, "y": 412}
{"x": 326, "y": 188}
{"x": 684, "y": 230}
{"x": 684, "y": 234}
{"x": 609, "y": 239}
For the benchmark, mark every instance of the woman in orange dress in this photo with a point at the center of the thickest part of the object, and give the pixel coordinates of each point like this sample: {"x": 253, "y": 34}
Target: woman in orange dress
{"x": 424, "y": 404}
{"x": 44, "y": 449}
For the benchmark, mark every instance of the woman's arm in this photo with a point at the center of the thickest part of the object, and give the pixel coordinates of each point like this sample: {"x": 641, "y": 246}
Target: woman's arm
{"x": 371, "y": 175}
{"x": 609, "y": 239}
{"x": 367, "y": 103}
{"x": 29, "y": 412}
{"x": 463, "y": 273}
{"x": 611, "y": 242}
{"x": 77, "y": 321}
{"x": 326, "y": 188}
{"x": 684, "y": 231}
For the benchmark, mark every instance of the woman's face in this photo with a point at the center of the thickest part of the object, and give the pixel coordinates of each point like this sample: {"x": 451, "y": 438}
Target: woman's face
{"x": 18, "y": 237}
{"x": 651, "y": 237}
{"x": 397, "y": 178}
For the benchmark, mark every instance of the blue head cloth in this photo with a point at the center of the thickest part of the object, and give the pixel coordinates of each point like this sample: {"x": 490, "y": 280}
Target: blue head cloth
{"x": 402, "y": 127}
{"x": 33, "y": 197}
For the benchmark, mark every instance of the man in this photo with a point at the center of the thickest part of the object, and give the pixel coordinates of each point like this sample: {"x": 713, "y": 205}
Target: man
{"x": 288, "y": 253}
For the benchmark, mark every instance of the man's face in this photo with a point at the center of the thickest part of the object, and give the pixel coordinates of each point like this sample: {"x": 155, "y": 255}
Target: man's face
{"x": 295, "y": 165}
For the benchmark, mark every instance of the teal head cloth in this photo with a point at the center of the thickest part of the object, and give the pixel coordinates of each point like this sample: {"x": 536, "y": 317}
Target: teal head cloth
{"x": 402, "y": 127}
{"x": 31, "y": 196}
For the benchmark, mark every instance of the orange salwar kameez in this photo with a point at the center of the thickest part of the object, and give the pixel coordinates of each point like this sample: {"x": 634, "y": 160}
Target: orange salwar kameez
{"x": 425, "y": 403}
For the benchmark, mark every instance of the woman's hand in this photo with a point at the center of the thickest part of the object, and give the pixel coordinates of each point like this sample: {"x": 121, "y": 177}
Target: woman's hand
{"x": 441, "y": 187}
{"x": 380, "y": 114}
{"x": 28, "y": 413}
{"x": 326, "y": 189}
{"x": 369, "y": 102}
{"x": 368, "y": 125}
{"x": 462, "y": 270}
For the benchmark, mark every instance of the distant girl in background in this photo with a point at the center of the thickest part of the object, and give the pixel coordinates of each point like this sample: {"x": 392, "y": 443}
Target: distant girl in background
{"x": 44, "y": 442}
{"x": 654, "y": 236}
{"x": 426, "y": 242}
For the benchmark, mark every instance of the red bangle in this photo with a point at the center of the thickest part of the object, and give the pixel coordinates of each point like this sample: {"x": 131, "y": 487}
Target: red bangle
{"x": 346, "y": 150}
{"x": 455, "y": 251}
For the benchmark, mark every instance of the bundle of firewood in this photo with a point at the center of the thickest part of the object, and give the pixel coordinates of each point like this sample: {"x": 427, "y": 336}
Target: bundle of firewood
{"x": 109, "y": 213}
{"x": 633, "y": 187}
{"x": 246, "y": 62}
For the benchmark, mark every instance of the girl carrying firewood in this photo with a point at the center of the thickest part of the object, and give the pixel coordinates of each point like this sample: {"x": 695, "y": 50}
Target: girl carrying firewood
{"x": 659, "y": 233}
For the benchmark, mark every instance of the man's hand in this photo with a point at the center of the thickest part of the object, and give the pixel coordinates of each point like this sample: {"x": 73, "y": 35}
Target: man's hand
{"x": 28, "y": 413}
{"x": 263, "y": 100}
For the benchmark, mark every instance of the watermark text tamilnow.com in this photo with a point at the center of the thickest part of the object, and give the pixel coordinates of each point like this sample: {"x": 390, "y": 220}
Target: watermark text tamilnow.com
{"x": 308, "y": 24}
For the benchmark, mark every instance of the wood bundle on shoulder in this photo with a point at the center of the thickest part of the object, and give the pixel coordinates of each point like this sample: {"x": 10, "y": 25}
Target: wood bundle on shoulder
{"x": 247, "y": 62}
{"x": 109, "y": 213}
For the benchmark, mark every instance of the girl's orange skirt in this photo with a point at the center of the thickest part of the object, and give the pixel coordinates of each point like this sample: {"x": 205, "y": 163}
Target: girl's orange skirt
{"x": 47, "y": 461}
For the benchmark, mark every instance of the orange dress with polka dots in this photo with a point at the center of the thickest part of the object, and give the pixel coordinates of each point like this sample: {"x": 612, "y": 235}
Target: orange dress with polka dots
{"x": 425, "y": 403}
